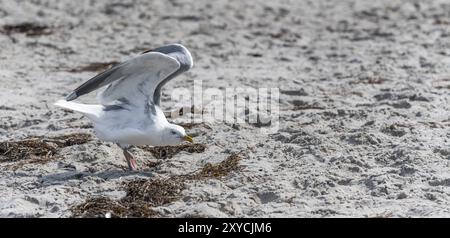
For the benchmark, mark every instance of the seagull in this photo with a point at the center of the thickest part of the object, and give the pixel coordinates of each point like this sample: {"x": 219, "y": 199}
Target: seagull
{"x": 129, "y": 111}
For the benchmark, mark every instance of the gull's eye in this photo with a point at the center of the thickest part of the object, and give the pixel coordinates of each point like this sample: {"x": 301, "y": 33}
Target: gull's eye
{"x": 173, "y": 132}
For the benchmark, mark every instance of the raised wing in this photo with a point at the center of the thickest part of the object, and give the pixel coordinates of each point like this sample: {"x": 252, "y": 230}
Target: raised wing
{"x": 134, "y": 80}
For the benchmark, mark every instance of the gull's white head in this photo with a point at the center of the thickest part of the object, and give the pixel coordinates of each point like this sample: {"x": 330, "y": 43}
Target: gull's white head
{"x": 173, "y": 135}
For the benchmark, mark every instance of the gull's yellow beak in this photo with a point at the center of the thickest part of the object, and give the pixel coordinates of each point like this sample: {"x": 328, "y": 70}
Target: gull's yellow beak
{"x": 188, "y": 138}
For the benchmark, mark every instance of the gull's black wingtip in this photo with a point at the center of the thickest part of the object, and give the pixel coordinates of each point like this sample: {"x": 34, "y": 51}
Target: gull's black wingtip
{"x": 71, "y": 96}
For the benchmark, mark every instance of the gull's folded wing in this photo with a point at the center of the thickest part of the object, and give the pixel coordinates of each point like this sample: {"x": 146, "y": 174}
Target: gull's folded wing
{"x": 134, "y": 80}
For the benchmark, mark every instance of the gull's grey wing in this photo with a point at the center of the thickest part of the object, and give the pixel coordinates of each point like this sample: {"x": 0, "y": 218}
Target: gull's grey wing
{"x": 183, "y": 57}
{"x": 134, "y": 80}
{"x": 94, "y": 83}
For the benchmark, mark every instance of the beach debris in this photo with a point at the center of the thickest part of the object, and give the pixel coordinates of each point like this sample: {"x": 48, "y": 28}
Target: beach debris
{"x": 155, "y": 192}
{"x": 27, "y": 28}
{"x": 96, "y": 207}
{"x": 38, "y": 149}
{"x": 221, "y": 169}
{"x": 94, "y": 67}
{"x": 141, "y": 196}
{"x": 167, "y": 152}
{"x": 144, "y": 194}
{"x": 27, "y": 149}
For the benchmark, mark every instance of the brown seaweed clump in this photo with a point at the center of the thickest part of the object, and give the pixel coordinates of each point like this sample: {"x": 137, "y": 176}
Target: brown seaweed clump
{"x": 71, "y": 139}
{"x": 38, "y": 149}
{"x": 34, "y": 149}
{"x": 142, "y": 195}
{"x": 28, "y": 28}
{"x": 155, "y": 192}
{"x": 194, "y": 125}
{"x": 100, "y": 207}
{"x": 167, "y": 152}
{"x": 94, "y": 67}
{"x": 221, "y": 169}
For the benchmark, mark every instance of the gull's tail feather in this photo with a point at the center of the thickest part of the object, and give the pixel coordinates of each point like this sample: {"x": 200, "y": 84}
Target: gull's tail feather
{"x": 93, "y": 112}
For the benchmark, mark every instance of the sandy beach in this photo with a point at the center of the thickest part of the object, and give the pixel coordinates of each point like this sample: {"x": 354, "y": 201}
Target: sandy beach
{"x": 364, "y": 93}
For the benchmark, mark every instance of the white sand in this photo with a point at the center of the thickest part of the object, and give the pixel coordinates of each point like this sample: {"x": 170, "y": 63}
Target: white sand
{"x": 376, "y": 74}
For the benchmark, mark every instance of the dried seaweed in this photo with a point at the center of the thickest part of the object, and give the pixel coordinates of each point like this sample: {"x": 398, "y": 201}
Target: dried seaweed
{"x": 100, "y": 207}
{"x": 152, "y": 164}
{"x": 370, "y": 80}
{"x": 142, "y": 195}
{"x": 71, "y": 139}
{"x": 184, "y": 111}
{"x": 30, "y": 29}
{"x": 27, "y": 149}
{"x": 167, "y": 152}
{"x": 94, "y": 67}
{"x": 221, "y": 169}
{"x": 155, "y": 192}
{"x": 193, "y": 125}
{"x": 303, "y": 105}
{"x": 38, "y": 149}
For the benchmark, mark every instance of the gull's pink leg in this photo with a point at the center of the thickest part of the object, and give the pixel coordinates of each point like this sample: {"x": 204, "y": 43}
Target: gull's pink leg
{"x": 132, "y": 165}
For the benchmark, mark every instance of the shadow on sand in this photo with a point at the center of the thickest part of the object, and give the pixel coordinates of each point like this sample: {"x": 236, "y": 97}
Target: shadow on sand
{"x": 60, "y": 178}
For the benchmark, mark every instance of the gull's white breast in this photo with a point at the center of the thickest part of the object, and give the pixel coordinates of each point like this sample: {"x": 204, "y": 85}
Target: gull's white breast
{"x": 131, "y": 127}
